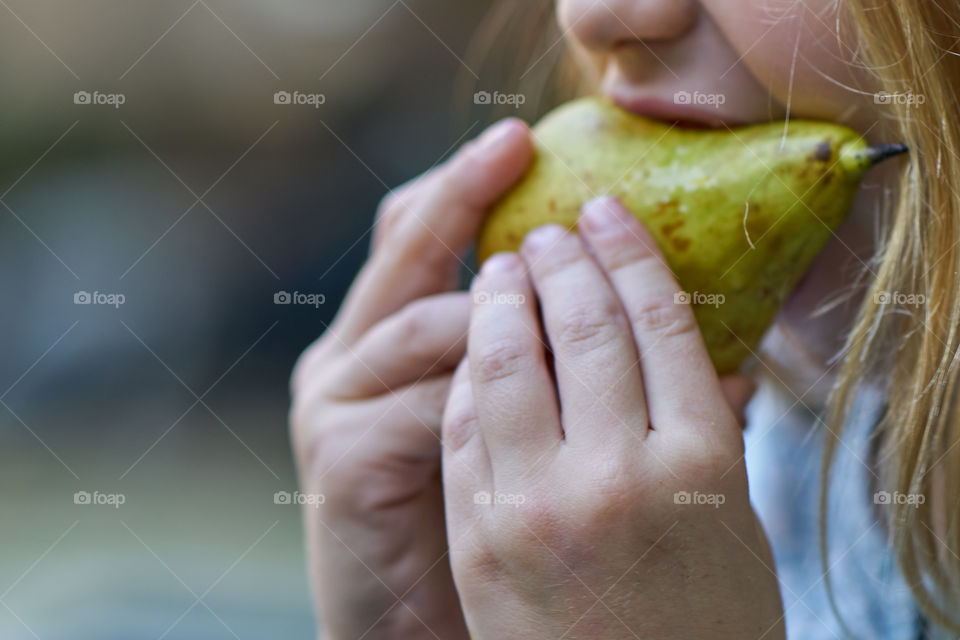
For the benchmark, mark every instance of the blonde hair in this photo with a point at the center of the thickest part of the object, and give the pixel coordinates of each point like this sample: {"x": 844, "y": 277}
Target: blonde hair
{"x": 911, "y": 353}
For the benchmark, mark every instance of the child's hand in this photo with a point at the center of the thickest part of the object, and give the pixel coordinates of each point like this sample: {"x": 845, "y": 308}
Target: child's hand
{"x": 368, "y": 399}
{"x": 610, "y": 501}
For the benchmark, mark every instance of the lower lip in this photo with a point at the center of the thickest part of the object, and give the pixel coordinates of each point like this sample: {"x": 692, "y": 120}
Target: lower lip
{"x": 666, "y": 112}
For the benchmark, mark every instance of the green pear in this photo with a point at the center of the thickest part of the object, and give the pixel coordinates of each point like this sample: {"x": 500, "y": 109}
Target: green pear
{"x": 739, "y": 213}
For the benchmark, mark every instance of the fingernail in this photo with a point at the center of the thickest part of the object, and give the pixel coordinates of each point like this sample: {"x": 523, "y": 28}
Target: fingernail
{"x": 500, "y": 262}
{"x": 496, "y": 135}
{"x": 542, "y": 237}
{"x": 602, "y": 214}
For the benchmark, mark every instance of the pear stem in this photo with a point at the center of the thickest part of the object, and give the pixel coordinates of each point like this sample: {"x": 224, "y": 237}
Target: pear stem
{"x": 881, "y": 152}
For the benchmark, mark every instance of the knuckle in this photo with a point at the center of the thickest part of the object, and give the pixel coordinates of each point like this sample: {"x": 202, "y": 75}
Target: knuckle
{"x": 416, "y": 248}
{"x": 392, "y": 205}
{"x": 662, "y": 316}
{"x": 426, "y": 333}
{"x": 459, "y": 426}
{"x": 539, "y": 530}
{"x": 478, "y": 557}
{"x": 326, "y": 437}
{"x": 307, "y": 364}
{"x": 607, "y": 492}
{"x": 698, "y": 455}
{"x": 413, "y": 325}
{"x": 385, "y": 222}
{"x": 468, "y": 160}
{"x": 502, "y": 359}
{"x": 565, "y": 254}
{"x": 620, "y": 252}
{"x": 405, "y": 243}
{"x": 535, "y": 521}
{"x": 587, "y": 327}
{"x": 337, "y": 456}
{"x": 350, "y": 480}
{"x": 450, "y": 175}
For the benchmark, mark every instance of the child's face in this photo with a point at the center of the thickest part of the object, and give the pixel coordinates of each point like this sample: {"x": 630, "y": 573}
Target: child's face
{"x": 755, "y": 56}
{"x": 747, "y": 60}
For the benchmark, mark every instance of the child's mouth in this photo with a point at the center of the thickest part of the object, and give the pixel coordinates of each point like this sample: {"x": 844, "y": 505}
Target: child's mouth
{"x": 678, "y": 112}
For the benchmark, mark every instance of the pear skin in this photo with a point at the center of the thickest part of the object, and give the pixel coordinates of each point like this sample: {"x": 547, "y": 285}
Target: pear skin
{"x": 739, "y": 214}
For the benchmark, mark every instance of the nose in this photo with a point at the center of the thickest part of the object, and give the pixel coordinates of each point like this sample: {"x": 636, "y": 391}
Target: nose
{"x": 602, "y": 25}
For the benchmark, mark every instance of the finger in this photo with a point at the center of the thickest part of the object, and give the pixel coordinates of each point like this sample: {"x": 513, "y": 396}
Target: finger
{"x": 466, "y": 462}
{"x": 738, "y": 390}
{"x": 394, "y": 205}
{"x": 679, "y": 378}
{"x": 401, "y": 426}
{"x": 414, "y": 414}
{"x": 512, "y": 387}
{"x": 425, "y": 337}
{"x": 318, "y": 352}
{"x": 421, "y": 255}
{"x": 595, "y": 358}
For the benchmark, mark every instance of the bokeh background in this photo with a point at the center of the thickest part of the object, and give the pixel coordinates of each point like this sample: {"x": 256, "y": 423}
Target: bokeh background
{"x": 197, "y": 200}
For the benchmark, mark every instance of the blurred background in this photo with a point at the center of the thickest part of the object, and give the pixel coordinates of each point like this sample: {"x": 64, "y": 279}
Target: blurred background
{"x": 168, "y": 170}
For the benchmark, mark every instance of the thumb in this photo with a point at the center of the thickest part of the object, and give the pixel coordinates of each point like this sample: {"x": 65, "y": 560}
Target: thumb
{"x": 738, "y": 390}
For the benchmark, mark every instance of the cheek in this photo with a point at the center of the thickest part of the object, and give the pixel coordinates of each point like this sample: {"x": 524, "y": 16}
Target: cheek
{"x": 792, "y": 48}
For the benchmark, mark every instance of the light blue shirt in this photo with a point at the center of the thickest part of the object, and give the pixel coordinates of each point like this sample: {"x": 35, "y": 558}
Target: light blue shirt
{"x": 784, "y": 452}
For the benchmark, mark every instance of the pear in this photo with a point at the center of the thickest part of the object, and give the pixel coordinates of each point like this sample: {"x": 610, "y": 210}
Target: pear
{"x": 738, "y": 213}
